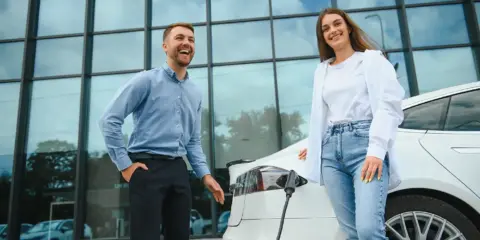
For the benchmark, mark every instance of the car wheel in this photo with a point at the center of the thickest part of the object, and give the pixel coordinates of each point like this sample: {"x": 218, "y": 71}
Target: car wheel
{"x": 424, "y": 218}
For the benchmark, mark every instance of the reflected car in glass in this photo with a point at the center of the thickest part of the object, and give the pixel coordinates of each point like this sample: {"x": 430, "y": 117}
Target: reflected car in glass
{"x": 438, "y": 147}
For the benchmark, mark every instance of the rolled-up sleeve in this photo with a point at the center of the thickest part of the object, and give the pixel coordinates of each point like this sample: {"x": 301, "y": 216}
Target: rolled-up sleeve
{"x": 125, "y": 101}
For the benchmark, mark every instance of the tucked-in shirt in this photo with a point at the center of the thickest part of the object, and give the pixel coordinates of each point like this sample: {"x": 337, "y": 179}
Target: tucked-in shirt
{"x": 166, "y": 114}
{"x": 346, "y": 95}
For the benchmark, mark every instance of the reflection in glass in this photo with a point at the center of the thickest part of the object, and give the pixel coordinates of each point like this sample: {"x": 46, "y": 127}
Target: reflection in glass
{"x": 9, "y": 93}
{"x": 108, "y": 208}
{"x": 477, "y": 10}
{"x": 354, "y": 4}
{"x": 118, "y": 14}
{"x": 427, "y": 116}
{"x": 49, "y": 180}
{"x": 398, "y": 61}
{"x": 165, "y": 12}
{"x": 427, "y": 25}
{"x": 381, "y": 26}
{"x": 423, "y": 1}
{"x": 295, "y": 86}
{"x": 241, "y": 41}
{"x": 61, "y": 17}
{"x": 464, "y": 112}
{"x": 298, "y": 32}
{"x": 13, "y": 18}
{"x": 234, "y": 9}
{"x": 437, "y": 69}
{"x": 284, "y": 7}
{"x": 159, "y": 57}
{"x": 121, "y": 51}
{"x": 11, "y": 56}
{"x": 59, "y": 56}
{"x": 245, "y": 112}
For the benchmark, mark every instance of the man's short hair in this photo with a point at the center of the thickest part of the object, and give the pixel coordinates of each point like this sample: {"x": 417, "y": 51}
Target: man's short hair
{"x": 179, "y": 24}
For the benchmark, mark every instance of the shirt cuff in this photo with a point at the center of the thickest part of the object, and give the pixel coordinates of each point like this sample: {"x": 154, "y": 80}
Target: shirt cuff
{"x": 201, "y": 172}
{"x": 123, "y": 162}
{"x": 376, "y": 151}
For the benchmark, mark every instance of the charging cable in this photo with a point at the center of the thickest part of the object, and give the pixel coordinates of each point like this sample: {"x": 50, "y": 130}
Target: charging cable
{"x": 290, "y": 186}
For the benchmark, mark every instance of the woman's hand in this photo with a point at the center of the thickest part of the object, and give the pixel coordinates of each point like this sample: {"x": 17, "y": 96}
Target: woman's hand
{"x": 371, "y": 165}
{"x": 303, "y": 154}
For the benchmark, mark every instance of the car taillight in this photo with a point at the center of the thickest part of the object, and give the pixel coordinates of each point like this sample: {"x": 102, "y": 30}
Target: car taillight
{"x": 263, "y": 178}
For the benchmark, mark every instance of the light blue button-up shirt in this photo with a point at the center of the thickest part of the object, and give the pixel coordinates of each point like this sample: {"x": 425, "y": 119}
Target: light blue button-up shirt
{"x": 166, "y": 114}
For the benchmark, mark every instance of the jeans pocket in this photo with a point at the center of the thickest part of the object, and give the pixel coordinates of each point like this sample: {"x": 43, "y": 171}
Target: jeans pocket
{"x": 326, "y": 138}
{"x": 361, "y": 132}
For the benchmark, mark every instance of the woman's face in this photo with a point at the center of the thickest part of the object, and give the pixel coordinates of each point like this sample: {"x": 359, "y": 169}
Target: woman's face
{"x": 335, "y": 31}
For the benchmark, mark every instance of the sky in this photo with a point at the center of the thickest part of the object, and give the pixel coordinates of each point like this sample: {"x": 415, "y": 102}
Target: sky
{"x": 55, "y": 105}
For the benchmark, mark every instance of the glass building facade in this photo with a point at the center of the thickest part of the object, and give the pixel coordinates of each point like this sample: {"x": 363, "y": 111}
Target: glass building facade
{"x": 61, "y": 61}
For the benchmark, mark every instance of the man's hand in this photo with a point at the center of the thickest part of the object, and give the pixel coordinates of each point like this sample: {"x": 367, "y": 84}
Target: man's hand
{"x": 370, "y": 167}
{"x": 127, "y": 172}
{"x": 214, "y": 188}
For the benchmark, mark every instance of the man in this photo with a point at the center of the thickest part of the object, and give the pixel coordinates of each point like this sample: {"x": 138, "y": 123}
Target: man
{"x": 166, "y": 108}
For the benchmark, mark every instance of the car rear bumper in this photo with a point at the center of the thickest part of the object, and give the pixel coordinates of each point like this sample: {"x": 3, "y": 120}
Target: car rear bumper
{"x": 293, "y": 229}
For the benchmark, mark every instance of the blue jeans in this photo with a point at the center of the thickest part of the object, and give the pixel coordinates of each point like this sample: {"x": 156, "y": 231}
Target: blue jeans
{"x": 359, "y": 206}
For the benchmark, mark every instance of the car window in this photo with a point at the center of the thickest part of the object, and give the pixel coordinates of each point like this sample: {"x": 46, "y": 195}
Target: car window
{"x": 426, "y": 116}
{"x": 464, "y": 112}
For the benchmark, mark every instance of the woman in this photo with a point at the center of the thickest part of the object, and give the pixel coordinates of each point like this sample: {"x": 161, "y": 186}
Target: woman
{"x": 356, "y": 110}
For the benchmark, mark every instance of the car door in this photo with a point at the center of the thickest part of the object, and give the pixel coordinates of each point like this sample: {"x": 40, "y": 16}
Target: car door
{"x": 457, "y": 145}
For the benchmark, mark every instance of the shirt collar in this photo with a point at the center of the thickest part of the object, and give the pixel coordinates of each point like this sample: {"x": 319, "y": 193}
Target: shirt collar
{"x": 172, "y": 73}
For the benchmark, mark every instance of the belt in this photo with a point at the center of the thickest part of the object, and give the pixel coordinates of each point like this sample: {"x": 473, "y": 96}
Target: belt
{"x": 150, "y": 156}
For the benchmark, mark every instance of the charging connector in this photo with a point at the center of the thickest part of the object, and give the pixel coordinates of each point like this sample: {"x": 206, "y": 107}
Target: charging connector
{"x": 290, "y": 186}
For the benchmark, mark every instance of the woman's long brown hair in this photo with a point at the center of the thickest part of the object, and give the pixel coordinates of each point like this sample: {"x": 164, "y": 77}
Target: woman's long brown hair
{"x": 358, "y": 38}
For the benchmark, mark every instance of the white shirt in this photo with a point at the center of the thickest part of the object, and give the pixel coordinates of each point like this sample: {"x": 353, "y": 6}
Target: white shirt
{"x": 385, "y": 99}
{"x": 345, "y": 91}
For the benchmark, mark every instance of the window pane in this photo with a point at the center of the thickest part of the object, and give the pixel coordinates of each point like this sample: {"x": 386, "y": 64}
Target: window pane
{"x": 477, "y": 9}
{"x": 107, "y": 194}
{"x": 13, "y": 18}
{"x": 295, "y": 86}
{"x": 61, "y": 17}
{"x": 424, "y": 1}
{"x": 382, "y": 26}
{"x": 119, "y": 14}
{"x": 245, "y": 126}
{"x": 165, "y": 12}
{"x": 284, "y": 7}
{"x": 49, "y": 180}
{"x": 298, "y": 32}
{"x": 9, "y": 97}
{"x": 234, "y": 9}
{"x": 437, "y": 69}
{"x": 464, "y": 112}
{"x": 427, "y": 26}
{"x": 114, "y": 52}
{"x": 241, "y": 41}
{"x": 427, "y": 116}
{"x": 353, "y": 4}
{"x": 398, "y": 61}
{"x": 11, "y": 56}
{"x": 159, "y": 57}
{"x": 59, "y": 56}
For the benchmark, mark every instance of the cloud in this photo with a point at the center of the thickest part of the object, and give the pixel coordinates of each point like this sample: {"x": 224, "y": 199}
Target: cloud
{"x": 13, "y": 16}
{"x": 9, "y": 98}
{"x": 11, "y": 56}
{"x": 119, "y": 14}
{"x": 61, "y": 17}
{"x": 284, "y": 7}
{"x": 165, "y": 12}
{"x": 54, "y": 114}
{"x": 59, "y": 56}
{"x": 354, "y": 4}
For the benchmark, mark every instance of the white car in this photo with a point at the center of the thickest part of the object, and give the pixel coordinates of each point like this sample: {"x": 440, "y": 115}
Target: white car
{"x": 438, "y": 146}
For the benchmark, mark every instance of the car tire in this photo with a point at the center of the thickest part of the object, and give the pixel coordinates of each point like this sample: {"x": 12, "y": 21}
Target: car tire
{"x": 426, "y": 204}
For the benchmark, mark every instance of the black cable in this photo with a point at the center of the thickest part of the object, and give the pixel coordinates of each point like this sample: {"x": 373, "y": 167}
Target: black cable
{"x": 283, "y": 216}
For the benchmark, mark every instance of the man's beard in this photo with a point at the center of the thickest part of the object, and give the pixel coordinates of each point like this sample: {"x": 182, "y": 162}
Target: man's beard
{"x": 181, "y": 63}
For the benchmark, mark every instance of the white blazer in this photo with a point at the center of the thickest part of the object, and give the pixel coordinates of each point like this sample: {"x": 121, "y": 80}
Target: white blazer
{"x": 385, "y": 96}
